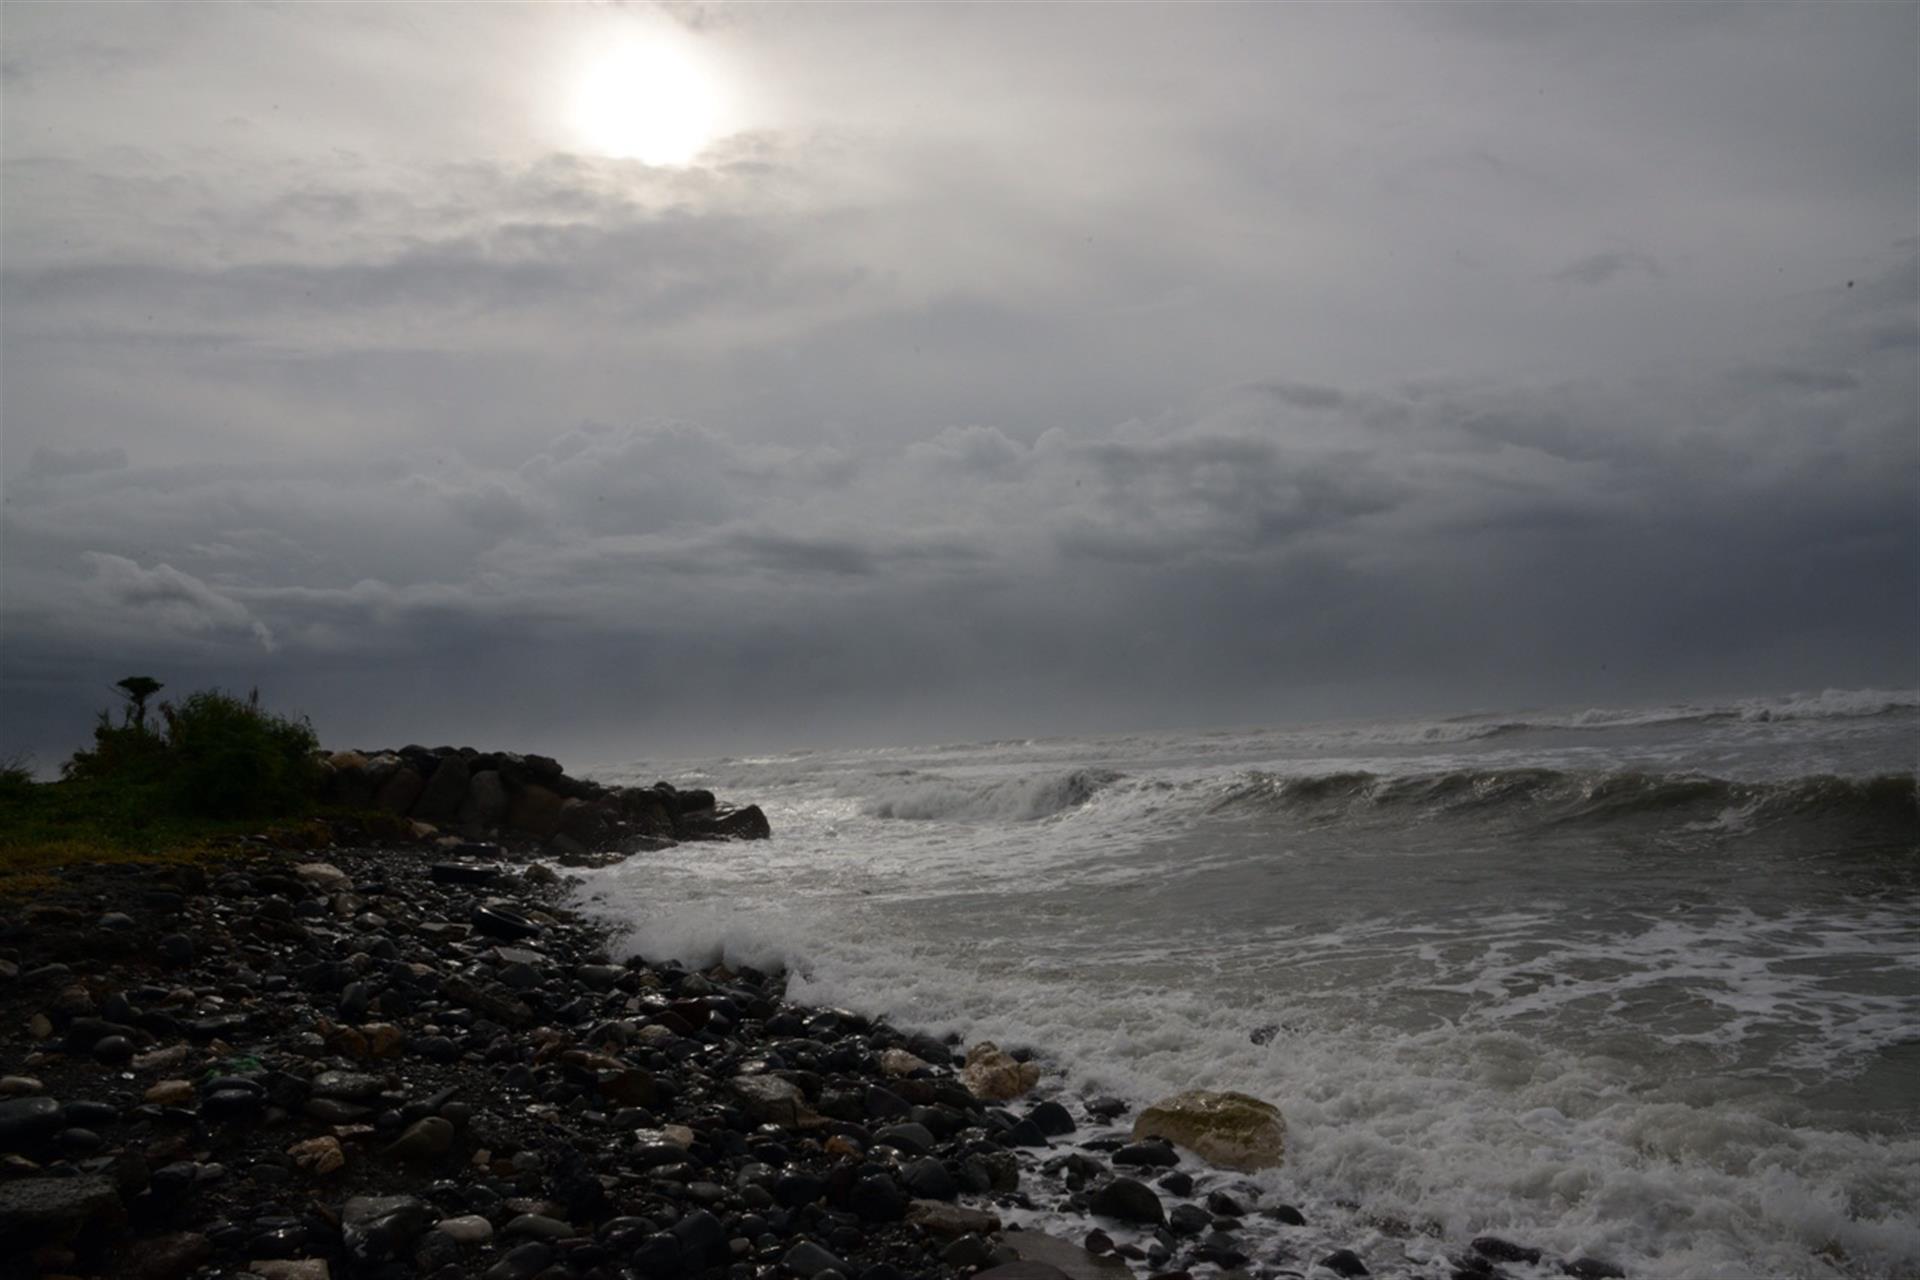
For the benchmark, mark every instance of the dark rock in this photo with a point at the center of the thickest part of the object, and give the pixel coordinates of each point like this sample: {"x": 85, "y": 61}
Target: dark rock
{"x": 928, "y": 1179}
{"x": 1188, "y": 1220}
{"x": 1052, "y": 1119}
{"x": 1147, "y": 1155}
{"x": 502, "y": 921}
{"x": 497, "y": 1005}
{"x": 808, "y": 1259}
{"x": 1106, "y": 1108}
{"x": 967, "y": 1251}
{"x": 399, "y": 791}
{"x": 1179, "y": 1183}
{"x": 461, "y": 872}
{"x": 877, "y": 1198}
{"x": 25, "y": 1123}
{"x": 535, "y": 810}
{"x": 377, "y": 1227}
{"x": 1223, "y": 1205}
{"x": 1345, "y": 1262}
{"x": 445, "y": 792}
{"x": 38, "y": 1211}
{"x": 914, "y": 1139}
{"x": 1504, "y": 1250}
{"x": 702, "y": 1237}
{"x": 1127, "y": 1200}
{"x": 796, "y": 1189}
{"x": 657, "y": 1255}
{"x": 523, "y": 1262}
{"x": 423, "y": 1140}
{"x": 166, "y": 1257}
{"x": 1287, "y": 1214}
{"x": 1592, "y": 1269}
{"x": 175, "y": 949}
{"x": 486, "y": 802}
{"x": 1022, "y": 1271}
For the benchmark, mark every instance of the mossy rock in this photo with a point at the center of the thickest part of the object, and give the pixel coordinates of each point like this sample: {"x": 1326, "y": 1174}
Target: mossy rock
{"x": 1230, "y": 1130}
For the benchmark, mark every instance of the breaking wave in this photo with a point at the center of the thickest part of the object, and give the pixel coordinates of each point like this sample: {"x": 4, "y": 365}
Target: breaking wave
{"x": 1575, "y": 796}
{"x": 1020, "y": 799}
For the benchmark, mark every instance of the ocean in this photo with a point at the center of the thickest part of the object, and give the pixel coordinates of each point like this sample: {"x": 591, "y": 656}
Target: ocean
{"x": 1640, "y": 984}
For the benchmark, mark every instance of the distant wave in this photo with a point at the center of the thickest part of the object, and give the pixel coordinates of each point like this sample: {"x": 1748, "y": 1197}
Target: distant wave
{"x": 1020, "y": 799}
{"x": 1830, "y": 704}
{"x": 1571, "y": 796}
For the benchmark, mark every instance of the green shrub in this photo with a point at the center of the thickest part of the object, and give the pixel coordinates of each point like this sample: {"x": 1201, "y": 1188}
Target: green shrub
{"x": 128, "y": 753}
{"x": 231, "y": 758}
{"x": 219, "y": 756}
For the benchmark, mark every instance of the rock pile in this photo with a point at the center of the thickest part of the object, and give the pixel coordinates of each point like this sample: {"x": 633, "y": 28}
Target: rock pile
{"x": 528, "y": 799}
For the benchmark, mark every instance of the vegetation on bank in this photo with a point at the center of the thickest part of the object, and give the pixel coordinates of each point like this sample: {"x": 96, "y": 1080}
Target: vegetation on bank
{"x": 177, "y": 783}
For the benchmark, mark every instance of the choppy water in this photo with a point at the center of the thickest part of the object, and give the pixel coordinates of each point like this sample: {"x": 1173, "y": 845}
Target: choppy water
{"x": 1639, "y": 983}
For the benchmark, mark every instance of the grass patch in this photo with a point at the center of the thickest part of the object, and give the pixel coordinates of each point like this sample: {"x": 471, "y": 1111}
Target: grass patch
{"x": 48, "y": 825}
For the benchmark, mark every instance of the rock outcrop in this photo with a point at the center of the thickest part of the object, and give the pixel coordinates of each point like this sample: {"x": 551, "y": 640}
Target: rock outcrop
{"x": 481, "y": 795}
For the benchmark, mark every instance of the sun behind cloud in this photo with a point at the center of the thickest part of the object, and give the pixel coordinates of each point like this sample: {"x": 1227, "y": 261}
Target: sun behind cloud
{"x": 652, "y": 99}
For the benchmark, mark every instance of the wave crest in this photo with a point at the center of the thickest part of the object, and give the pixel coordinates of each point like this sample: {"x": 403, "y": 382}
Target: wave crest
{"x": 1027, "y": 798}
{"x": 1576, "y": 796}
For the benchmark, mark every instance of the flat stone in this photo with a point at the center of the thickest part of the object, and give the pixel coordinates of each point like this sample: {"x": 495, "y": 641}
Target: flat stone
{"x": 468, "y": 1228}
{"x": 347, "y": 1086}
{"x": 170, "y": 1093}
{"x": 951, "y": 1220}
{"x": 324, "y": 876}
{"x": 291, "y": 1269}
{"x": 539, "y": 1227}
{"x": 809, "y": 1259}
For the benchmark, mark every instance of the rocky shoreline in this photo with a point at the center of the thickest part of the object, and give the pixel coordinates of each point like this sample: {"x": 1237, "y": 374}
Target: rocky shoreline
{"x": 418, "y": 1061}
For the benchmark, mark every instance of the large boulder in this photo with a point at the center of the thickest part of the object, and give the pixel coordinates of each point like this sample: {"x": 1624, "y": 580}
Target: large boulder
{"x": 647, "y": 810}
{"x": 486, "y": 802}
{"x": 445, "y": 791}
{"x": 584, "y": 821}
{"x": 399, "y": 791}
{"x": 535, "y": 810}
{"x": 1231, "y": 1130}
{"x": 731, "y": 824}
{"x": 996, "y": 1075}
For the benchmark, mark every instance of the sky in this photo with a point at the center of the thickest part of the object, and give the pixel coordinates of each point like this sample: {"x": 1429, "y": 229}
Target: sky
{"x": 625, "y": 381}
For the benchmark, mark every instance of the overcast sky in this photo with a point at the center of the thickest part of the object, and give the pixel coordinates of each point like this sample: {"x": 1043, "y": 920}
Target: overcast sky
{"x": 916, "y": 373}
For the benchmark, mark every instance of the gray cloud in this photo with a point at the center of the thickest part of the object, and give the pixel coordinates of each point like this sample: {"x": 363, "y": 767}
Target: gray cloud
{"x": 1056, "y": 370}
{"x": 72, "y": 462}
{"x": 165, "y": 596}
{"x": 1608, "y": 264}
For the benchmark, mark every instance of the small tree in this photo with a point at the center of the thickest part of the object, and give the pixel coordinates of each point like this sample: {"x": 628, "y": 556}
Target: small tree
{"x": 136, "y": 690}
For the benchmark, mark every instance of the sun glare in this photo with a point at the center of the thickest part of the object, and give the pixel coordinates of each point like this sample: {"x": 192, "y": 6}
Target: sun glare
{"x": 648, "y": 101}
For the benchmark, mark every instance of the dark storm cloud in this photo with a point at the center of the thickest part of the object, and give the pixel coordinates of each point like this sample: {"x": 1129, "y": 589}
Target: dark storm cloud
{"x": 1351, "y": 356}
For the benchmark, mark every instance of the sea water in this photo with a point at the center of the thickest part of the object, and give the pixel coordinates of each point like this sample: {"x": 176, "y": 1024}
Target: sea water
{"x": 1640, "y": 984}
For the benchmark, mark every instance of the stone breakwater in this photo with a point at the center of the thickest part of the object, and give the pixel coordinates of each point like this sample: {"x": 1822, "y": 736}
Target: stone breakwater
{"x": 387, "y": 1064}
{"x": 528, "y": 801}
